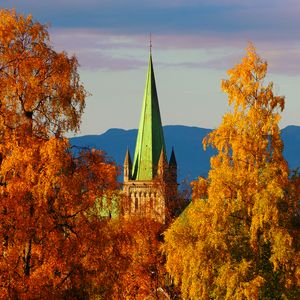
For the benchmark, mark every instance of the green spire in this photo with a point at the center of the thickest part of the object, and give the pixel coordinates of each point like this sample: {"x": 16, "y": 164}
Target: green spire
{"x": 150, "y": 140}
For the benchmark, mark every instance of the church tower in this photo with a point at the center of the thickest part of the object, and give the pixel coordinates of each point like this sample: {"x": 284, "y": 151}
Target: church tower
{"x": 150, "y": 182}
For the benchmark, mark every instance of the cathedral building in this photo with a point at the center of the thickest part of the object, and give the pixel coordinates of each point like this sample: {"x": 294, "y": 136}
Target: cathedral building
{"x": 150, "y": 181}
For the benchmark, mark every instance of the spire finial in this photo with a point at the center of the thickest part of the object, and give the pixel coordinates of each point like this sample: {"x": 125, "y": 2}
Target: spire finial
{"x": 150, "y": 43}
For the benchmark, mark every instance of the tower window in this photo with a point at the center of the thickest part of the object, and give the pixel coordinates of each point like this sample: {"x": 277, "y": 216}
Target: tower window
{"x": 136, "y": 204}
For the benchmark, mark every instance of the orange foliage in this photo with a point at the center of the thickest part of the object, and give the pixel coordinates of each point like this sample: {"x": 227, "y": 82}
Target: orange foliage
{"x": 52, "y": 243}
{"x": 38, "y": 86}
{"x": 145, "y": 272}
{"x": 50, "y": 240}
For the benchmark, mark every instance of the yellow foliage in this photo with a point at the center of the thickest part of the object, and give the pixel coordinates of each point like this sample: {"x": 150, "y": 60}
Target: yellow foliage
{"x": 236, "y": 242}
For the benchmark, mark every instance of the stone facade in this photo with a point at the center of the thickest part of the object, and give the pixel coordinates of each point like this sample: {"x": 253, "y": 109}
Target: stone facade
{"x": 145, "y": 200}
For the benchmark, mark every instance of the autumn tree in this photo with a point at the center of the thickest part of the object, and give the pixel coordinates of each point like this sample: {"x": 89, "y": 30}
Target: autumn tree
{"x": 145, "y": 271}
{"x": 238, "y": 240}
{"x": 39, "y": 87}
{"x": 52, "y": 245}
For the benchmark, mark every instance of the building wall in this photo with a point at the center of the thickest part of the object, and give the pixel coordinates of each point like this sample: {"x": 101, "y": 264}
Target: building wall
{"x": 145, "y": 199}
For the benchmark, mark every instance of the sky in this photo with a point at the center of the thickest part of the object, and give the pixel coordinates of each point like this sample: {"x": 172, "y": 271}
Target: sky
{"x": 194, "y": 44}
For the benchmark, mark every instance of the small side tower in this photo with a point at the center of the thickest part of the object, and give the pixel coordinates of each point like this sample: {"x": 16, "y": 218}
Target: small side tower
{"x": 173, "y": 167}
{"x": 162, "y": 166}
{"x": 146, "y": 183}
{"x": 172, "y": 199}
{"x": 127, "y": 166}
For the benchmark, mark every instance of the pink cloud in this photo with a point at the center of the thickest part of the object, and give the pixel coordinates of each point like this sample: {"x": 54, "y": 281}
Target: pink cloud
{"x": 100, "y": 49}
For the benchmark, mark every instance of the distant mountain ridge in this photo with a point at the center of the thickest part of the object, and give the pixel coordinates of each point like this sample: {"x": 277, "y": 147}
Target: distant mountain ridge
{"x": 192, "y": 160}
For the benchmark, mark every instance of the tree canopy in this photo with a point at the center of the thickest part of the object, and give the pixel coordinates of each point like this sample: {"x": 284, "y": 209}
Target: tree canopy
{"x": 52, "y": 244}
{"x": 39, "y": 87}
{"x": 238, "y": 240}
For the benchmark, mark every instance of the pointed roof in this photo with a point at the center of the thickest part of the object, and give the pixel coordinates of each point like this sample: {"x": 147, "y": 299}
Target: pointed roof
{"x": 173, "y": 161}
{"x": 150, "y": 139}
{"x": 162, "y": 157}
{"x": 127, "y": 160}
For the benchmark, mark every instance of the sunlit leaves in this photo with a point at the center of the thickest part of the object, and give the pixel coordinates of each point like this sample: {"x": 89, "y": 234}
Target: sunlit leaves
{"x": 237, "y": 241}
{"x": 38, "y": 86}
{"x": 51, "y": 245}
{"x": 47, "y": 232}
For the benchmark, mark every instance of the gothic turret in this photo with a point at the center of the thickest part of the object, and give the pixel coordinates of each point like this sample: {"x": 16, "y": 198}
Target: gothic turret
{"x": 162, "y": 165}
{"x": 173, "y": 166}
{"x": 127, "y": 166}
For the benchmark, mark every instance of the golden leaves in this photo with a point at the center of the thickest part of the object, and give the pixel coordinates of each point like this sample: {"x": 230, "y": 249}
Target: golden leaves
{"x": 46, "y": 200}
{"x": 199, "y": 187}
{"x": 239, "y": 228}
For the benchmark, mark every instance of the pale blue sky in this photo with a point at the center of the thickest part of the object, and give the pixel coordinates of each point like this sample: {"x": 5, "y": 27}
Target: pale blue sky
{"x": 194, "y": 43}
